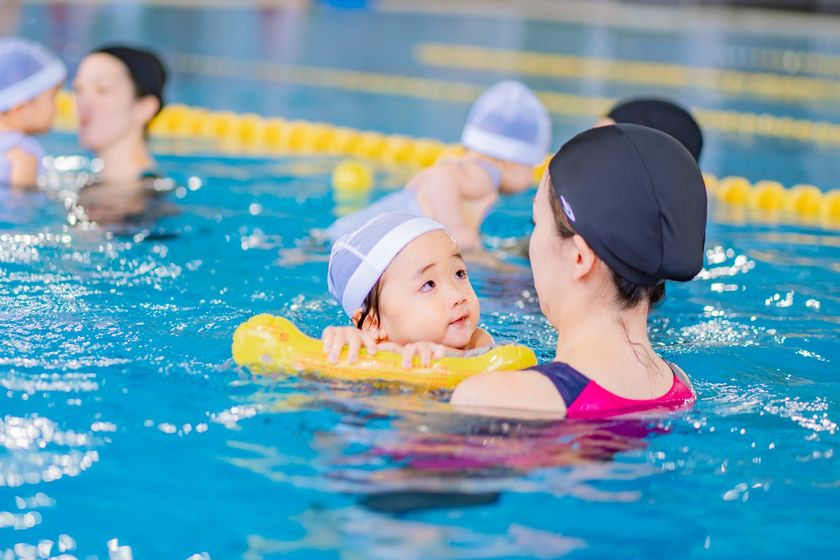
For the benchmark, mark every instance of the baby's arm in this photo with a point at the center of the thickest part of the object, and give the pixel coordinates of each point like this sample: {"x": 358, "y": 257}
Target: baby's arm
{"x": 428, "y": 351}
{"x": 24, "y": 169}
{"x": 480, "y": 338}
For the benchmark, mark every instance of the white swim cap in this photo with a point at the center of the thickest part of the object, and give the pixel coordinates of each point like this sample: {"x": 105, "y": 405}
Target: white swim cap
{"x": 509, "y": 122}
{"x": 359, "y": 258}
{"x": 26, "y": 71}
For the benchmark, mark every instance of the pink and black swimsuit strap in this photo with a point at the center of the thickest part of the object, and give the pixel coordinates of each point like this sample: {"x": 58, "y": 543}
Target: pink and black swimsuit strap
{"x": 568, "y": 381}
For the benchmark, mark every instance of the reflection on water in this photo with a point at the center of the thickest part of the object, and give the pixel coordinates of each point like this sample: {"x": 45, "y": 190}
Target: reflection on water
{"x": 401, "y": 452}
{"x": 355, "y": 532}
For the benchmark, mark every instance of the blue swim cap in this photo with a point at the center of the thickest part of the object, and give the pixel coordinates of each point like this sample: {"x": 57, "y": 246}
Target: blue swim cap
{"x": 359, "y": 258}
{"x": 509, "y": 122}
{"x": 26, "y": 71}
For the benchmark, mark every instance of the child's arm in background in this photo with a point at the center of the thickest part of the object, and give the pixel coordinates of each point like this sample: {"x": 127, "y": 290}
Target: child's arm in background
{"x": 446, "y": 186}
{"x": 24, "y": 172}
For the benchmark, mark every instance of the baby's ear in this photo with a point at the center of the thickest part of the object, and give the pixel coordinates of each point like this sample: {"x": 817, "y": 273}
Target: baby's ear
{"x": 371, "y": 322}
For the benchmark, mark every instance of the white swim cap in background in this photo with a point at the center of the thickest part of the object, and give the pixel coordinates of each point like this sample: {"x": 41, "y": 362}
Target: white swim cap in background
{"x": 26, "y": 70}
{"x": 359, "y": 258}
{"x": 509, "y": 122}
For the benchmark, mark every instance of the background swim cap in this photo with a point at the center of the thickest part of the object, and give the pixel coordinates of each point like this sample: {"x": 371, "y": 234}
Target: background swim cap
{"x": 145, "y": 68}
{"x": 359, "y": 258}
{"x": 637, "y": 197}
{"x": 26, "y": 71}
{"x": 509, "y": 122}
{"x": 663, "y": 115}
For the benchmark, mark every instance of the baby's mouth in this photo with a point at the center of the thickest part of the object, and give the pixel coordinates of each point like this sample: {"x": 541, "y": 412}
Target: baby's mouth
{"x": 460, "y": 321}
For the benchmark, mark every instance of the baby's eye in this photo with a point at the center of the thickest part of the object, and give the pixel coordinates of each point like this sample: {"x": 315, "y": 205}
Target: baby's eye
{"x": 428, "y": 286}
{"x": 462, "y": 274}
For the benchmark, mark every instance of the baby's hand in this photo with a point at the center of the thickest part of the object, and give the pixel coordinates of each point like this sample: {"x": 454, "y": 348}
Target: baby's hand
{"x": 336, "y": 338}
{"x": 427, "y": 351}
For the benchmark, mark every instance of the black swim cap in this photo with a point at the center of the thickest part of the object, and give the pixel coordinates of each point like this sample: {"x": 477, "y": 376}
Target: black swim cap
{"x": 637, "y": 197}
{"x": 145, "y": 68}
{"x": 662, "y": 115}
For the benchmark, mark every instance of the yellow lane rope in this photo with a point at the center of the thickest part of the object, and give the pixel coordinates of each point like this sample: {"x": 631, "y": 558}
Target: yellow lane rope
{"x": 530, "y": 63}
{"x": 737, "y": 122}
{"x": 253, "y": 134}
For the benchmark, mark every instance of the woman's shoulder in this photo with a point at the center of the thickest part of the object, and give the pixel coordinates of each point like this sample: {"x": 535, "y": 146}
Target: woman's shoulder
{"x": 522, "y": 390}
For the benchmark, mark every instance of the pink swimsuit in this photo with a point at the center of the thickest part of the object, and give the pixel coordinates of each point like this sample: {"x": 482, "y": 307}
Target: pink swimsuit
{"x": 586, "y": 399}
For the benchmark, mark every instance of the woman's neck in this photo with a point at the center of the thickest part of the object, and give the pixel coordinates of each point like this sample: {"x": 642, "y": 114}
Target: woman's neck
{"x": 124, "y": 161}
{"x": 602, "y": 335}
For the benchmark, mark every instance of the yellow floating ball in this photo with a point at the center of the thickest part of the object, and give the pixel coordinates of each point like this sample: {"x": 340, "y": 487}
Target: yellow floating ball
{"x": 451, "y": 151}
{"x": 424, "y": 152}
{"x": 768, "y": 195}
{"x": 539, "y": 169}
{"x": 317, "y": 137}
{"x": 250, "y": 129}
{"x": 342, "y": 141}
{"x": 396, "y": 149}
{"x": 218, "y": 125}
{"x": 804, "y": 199}
{"x": 296, "y": 133}
{"x": 274, "y": 133}
{"x": 831, "y": 207}
{"x": 711, "y": 182}
{"x": 369, "y": 145}
{"x": 733, "y": 190}
{"x": 352, "y": 175}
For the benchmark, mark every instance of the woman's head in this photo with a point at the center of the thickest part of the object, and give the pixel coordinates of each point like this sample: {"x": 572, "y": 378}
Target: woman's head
{"x": 509, "y": 123}
{"x": 30, "y": 77}
{"x": 663, "y": 115}
{"x": 404, "y": 276}
{"x": 118, "y": 92}
{"x": 624, "y": 204}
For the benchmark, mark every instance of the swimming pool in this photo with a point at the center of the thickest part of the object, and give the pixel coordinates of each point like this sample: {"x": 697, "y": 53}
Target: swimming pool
{"x": 123, "y": 417}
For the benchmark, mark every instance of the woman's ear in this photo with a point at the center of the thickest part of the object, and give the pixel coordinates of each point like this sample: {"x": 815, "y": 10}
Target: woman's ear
{"x": 585, "y": 258}
{"x": 147, "y": 107}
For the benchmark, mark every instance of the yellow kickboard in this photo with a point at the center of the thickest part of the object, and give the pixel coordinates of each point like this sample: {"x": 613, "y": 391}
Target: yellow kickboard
{"x": 272, "y": 344}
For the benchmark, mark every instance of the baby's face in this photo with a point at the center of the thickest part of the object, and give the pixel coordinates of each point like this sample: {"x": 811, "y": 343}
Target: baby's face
{"x": 426, "y": 295}
{"x": 42, "y": 111}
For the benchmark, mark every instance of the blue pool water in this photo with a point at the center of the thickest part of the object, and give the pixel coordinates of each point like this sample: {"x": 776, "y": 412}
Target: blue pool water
{"x": 122, "y": 416}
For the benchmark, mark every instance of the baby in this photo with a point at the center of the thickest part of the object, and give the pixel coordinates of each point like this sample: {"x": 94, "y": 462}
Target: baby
{"x": 507, "y": 133}
{"x": 30, "y": 78}
{"x": 403, "y": 282}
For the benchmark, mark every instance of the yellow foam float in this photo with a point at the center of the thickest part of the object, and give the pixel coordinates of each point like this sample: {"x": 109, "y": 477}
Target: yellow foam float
{"x": 268, "y": 344}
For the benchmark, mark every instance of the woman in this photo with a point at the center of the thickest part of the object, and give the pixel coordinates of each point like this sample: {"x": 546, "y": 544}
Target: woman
{"x": 661, "y": 114}
{"x": 119, "y": 90}
{"x": 620, "y": 210}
